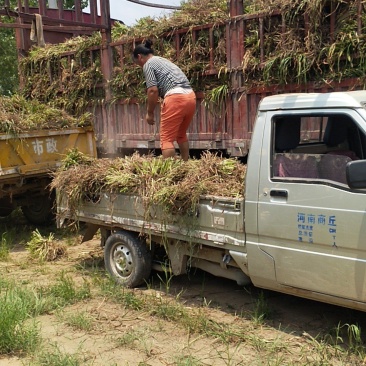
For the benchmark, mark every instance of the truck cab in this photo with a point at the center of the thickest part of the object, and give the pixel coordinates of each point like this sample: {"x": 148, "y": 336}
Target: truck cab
{"x": 306, "y": 198}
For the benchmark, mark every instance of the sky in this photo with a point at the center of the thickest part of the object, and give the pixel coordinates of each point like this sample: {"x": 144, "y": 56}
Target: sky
{"x": 130, "y": 12}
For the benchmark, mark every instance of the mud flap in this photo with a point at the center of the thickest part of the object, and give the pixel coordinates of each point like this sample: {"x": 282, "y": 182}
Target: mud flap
{"x": 91, "y": 229}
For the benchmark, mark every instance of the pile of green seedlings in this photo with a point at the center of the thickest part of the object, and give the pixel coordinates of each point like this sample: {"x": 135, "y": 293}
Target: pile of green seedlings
{"x": 173, "y": 184}
{"x": 295, "y": 47}
{"x": 74, "y": 83}
{"x": 64, "y": 83}
{"x": 304, "y": 50}
{"x": 191, "y": 13}
{"x": 18, "y": 114}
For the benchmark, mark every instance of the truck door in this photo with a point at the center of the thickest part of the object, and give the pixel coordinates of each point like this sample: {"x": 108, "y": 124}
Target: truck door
{"x": 310, "y": 222}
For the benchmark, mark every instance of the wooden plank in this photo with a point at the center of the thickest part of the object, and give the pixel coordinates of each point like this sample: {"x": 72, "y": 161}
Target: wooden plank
{"x": 212, "y": 47}
{"x": 93, "y": 10}
{"x": 77, "y": 7}
{"x": 42, "y": 7}
{"x": 60, "y": 5}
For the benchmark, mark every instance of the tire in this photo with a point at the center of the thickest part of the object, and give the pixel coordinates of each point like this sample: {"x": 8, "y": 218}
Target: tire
{"x": 41, "y": 210}
{"x": 6, "y": 207}
{"x": 127, "y": 259}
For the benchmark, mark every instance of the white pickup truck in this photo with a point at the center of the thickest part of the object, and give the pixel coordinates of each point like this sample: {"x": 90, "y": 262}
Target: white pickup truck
{"x": 301, "y": 228}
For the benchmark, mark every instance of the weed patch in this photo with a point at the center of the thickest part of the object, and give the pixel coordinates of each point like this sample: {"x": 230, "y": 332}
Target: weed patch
{"x": 65, "y": 291}
{"x": 18, "y": 332}
{"x": 56, "y": 357}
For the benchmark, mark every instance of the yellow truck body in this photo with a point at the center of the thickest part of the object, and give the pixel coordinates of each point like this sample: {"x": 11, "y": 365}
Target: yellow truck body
{"x": 26, "y": 161}
{"x": 39, "y": 152}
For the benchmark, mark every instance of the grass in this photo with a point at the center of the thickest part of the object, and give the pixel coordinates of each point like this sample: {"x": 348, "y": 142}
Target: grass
{"x": 129, "y": 338}
{"x": 14, "y": 229}
{"x": 4, "y": 247}
{"x": 56, "y": 357}
{"x": 139, "y": 339}
{"x": 274, "y": 352}
{"x": 163, "y": 307}
{"x": 20, "y": 306}
{"x": 65, "y": 292}
{"x": 113, "y": 291}
{"x": 17, "y": 114}
{"x": 79, "y": 321}
{"x": 18, "y": 332}
{"x": 228, "y": 352}
{"x": 215, "y": 100}
{"x": 166, "y": 278}
{"x": 24, "y": 300}
{"x": 189, "y": 360}
{"x": 261, "y": 311}
{"x": 171, "y": 184}
{"x": 15, "y": 232}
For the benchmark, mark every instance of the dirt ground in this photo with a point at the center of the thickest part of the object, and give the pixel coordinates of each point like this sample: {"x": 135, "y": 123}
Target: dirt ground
{"x": 122, "y": 336}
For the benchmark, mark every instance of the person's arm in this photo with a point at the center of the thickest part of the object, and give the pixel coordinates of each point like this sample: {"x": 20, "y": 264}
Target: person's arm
{"x": 152, "y": 100}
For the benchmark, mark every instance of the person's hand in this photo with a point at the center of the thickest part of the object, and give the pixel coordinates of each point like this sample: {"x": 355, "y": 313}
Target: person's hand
{"x": 150, "y": 118}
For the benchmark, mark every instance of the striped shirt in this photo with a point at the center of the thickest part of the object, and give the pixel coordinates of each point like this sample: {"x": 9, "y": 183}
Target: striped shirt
{"x": 165, "y": 75}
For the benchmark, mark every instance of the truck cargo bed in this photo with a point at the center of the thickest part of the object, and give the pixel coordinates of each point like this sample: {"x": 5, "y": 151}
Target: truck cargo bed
{"x": 218, "y": 221}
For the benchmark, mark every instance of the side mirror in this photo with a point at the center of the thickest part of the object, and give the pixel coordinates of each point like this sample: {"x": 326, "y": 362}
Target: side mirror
{"x": 356, "y": 174}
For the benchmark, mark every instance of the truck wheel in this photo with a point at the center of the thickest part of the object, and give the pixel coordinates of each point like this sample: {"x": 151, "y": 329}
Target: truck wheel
{"x": 40, "y": 211}
{"x": 6, "y": 207}
{"x": 127, "y": 259}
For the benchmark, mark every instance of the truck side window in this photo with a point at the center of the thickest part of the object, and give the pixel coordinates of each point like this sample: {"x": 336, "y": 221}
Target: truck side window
{"x": 311, "y": 148}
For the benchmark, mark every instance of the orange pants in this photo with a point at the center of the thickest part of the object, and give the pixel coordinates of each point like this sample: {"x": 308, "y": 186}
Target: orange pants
{"x": 176, "y": 115}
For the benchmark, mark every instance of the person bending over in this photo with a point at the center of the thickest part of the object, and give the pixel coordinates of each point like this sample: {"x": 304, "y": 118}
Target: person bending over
{"x": 166, "y": 80}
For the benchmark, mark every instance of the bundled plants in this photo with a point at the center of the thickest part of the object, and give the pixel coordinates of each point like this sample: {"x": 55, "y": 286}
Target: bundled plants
{"x": 18, "y": 114}
{"x": 289, "y": 43}
{"x": 45, "y": 248}
{"x": 74, "y": 82}
{"x": 299, "y": 46}
{"x": 172, "y": 184}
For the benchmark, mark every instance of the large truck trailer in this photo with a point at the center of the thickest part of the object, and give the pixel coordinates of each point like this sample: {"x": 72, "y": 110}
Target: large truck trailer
{"x": 240, "y": 59}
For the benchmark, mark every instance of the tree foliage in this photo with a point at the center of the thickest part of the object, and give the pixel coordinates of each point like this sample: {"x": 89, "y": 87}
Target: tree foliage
{"x": 69, "y": 4}
{"x": 9, "y": 80}
{"x": 8, "y": 62}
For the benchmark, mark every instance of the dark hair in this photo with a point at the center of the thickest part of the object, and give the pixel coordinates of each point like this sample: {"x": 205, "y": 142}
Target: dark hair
{"x": 143, "y": 49}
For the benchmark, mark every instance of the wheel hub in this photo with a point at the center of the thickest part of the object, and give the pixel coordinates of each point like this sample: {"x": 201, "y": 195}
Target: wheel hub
{"x": 123, "y": 260}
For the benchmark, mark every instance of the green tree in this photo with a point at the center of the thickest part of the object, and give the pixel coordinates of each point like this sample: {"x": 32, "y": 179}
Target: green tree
{"x": 69, "y": 4}
{"x": 9, "y": 80}
{"x": 8, "y": 62}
